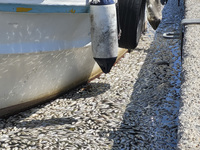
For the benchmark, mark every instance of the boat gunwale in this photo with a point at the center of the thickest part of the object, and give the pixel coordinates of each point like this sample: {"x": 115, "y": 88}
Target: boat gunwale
{"x": 43, "y": 8}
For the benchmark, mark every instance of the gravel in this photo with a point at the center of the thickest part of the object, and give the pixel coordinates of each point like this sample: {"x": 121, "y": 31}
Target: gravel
{"x": 135, "y": 106}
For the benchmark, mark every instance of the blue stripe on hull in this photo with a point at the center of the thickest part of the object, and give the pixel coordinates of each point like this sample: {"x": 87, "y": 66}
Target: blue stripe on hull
{"x": 43, "y": 8}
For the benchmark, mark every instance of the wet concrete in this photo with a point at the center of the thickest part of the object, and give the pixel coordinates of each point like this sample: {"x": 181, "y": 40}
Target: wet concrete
{"x": 151, "y": 118}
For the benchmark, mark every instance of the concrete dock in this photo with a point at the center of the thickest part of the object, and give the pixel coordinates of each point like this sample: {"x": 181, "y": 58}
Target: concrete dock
{"x": 189, "y": 115}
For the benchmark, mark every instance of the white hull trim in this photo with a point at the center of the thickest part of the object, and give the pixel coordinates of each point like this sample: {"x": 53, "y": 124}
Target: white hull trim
{"x": 47, "y": 2}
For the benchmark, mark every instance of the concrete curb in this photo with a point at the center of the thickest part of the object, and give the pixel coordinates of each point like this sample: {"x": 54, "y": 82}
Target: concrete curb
{"x": 189, "y": 116}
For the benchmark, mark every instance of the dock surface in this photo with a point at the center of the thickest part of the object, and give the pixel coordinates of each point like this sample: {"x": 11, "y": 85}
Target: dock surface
{"x": 189, "y": 116}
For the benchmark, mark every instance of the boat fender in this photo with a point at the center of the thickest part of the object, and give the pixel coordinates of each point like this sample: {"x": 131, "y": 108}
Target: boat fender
{"x": 154, "y": 13}
{"x": 104, "y": 36}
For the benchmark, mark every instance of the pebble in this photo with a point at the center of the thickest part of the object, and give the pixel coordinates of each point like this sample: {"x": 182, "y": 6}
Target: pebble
{"x": 135, "y": 106}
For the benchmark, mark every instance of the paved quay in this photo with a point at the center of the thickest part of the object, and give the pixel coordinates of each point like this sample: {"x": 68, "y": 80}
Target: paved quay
{"x": 134, "y": 107}
{"x": 189, "y": 118}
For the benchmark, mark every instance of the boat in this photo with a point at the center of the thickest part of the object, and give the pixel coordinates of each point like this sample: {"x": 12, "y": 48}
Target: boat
{"x": 46, "y": 48}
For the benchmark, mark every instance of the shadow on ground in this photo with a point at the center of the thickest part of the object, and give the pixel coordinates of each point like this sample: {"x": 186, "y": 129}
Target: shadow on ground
{"x": 83, "y": 91}
{"x": 150, "y": 120}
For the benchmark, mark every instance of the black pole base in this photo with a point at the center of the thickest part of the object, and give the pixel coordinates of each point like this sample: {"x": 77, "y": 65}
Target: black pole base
{"x": 105, "y": 63}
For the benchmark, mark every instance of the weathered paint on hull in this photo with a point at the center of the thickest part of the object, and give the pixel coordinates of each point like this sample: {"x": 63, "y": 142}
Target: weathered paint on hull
{"x": 32, "y": 33}
{"x": 30, "y": 79}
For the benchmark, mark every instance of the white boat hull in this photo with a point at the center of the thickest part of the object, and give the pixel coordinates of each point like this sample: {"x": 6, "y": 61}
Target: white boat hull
{"x": 42, "y": 56}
